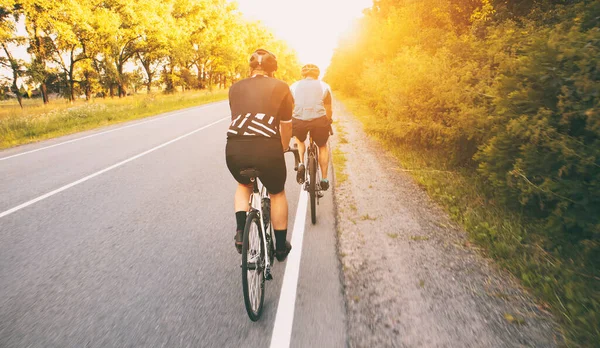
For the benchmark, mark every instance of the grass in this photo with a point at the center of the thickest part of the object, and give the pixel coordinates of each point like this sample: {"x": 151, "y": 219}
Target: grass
{"x": 339, "y": 157}
{"x": 38, "y": 121}
{"x": 339, "y": 165}
{"x": 341, "y": 134}
{"x": 419, "y": 238}
{"x": 558, "y": 281}
{"x": 367, "y": 217}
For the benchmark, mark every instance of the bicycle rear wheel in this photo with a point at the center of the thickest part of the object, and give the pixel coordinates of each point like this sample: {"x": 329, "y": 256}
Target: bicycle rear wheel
{"x": 312, "y": 188}
{"x": 253, "y": 267}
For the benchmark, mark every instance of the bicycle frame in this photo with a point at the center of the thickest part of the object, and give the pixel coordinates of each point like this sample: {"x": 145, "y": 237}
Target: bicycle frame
{"x": 312, "y": 150}
{"x": 259, "y": 192}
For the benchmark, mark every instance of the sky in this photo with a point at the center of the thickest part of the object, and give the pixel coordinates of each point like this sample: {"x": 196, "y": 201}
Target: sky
{"x": 311, "y": 27}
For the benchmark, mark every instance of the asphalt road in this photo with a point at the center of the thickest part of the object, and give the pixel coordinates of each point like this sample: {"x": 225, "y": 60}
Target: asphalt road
{"x": 123, "y": 237}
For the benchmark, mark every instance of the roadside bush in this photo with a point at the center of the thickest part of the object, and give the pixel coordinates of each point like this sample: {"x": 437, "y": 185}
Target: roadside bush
{"x": 512, "y": 97}
{"x": 544, "y": 152}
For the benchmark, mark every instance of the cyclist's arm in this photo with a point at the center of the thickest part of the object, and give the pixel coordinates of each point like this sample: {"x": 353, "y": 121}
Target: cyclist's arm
{"x": 285, "y": 128}
{"x": 327, "y": 104}
{"x": 285, "y": 120}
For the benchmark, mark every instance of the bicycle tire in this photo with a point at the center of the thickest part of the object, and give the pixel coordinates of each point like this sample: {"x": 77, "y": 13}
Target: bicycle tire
{"x": 312, "y": 188}
{"x": 253, "y": 247}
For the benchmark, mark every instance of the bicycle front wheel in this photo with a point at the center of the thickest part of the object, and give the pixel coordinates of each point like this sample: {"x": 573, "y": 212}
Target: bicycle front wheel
{"x": 312, "y": 188}
{"x": 253, "y": 267}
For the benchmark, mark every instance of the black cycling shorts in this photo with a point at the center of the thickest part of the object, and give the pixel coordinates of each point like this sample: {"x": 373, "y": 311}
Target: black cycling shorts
{"x": 263, "y": 154}
{"x": 319, "y": 129}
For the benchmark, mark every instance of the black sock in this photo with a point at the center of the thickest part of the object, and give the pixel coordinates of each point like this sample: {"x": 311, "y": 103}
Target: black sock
{"x": 280, "y": 236}
{"x": 240, "y": 218}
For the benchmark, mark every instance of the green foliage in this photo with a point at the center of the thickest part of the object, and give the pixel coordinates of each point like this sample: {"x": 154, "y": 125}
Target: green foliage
{"x": 545, "y": 147}
{"x": 177, "y": 44}
{"x": 507, "y": 92}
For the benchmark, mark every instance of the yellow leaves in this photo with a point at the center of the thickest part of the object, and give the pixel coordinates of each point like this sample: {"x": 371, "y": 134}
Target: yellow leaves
{"x": 7, "y": 3}
{"x": 483, "y": 14}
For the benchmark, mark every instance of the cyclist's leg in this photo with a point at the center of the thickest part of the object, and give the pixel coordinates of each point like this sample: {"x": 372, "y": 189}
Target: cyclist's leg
{"x": 279, "y": 211}
{"x": 324, "y": 160}
{"x": 279, "y": 219}
{"x": 299, "y": 132}
{"x": 301, "y": 148}
{"x": 240, "y": 202}
{"x": 236, "y": 160}
{"x": 238, "y": 157}
{"x": 320, "y": 134}
{"x": 242, "y": 196}
{"x": 273, "y": 176}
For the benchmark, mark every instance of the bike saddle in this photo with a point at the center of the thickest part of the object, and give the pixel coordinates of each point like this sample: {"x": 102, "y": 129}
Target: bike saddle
{"x": 250, "y": 173}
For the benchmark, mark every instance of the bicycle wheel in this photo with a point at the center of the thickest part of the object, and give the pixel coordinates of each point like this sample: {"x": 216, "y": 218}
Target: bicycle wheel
{"x": 253, "y": 267}
{"x": 312, "y": 188}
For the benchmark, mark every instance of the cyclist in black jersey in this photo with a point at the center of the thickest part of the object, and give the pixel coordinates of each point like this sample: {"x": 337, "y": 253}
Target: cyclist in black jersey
{"x": 260, "y": 131}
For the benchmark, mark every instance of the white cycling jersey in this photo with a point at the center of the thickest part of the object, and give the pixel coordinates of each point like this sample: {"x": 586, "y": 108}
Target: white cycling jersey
{"x": 310, "y": 98}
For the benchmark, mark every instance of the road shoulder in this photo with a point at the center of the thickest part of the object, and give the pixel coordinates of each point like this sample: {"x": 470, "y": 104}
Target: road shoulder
{"x": 411, "y": 278}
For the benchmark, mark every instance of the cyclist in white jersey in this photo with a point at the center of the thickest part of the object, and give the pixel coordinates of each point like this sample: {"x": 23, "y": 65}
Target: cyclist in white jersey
{"x": 312, "y": 113}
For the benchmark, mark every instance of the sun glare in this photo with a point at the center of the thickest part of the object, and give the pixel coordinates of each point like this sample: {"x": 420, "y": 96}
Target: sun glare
{"x": 311, "y": 27}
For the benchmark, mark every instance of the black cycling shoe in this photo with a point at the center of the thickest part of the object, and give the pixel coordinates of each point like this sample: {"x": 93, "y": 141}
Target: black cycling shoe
{"x": 324, "y": 184}
{"x": 300, "y": 174}
{"x": 239, "y": 240}
{"x": 282, "y": 254}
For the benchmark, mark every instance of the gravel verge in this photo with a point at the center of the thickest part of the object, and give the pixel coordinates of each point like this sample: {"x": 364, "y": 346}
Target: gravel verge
{"x": 411, "y": 277}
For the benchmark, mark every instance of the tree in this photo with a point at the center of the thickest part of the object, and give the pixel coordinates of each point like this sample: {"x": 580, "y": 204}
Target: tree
{"x": 90, "y": 44}
{"x": 152, "y": 50}
{"x": 119, "y": 26}
{"x": 66, "y": 34}
{"x": 9, "y": 14}
{"x": 38, "y": 22}
{"x": 153, "y": 45}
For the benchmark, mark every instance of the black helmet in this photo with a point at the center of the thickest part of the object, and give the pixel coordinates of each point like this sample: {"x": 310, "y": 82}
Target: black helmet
{"x": 311, "y": 70}
{"x": 263, "y": 59}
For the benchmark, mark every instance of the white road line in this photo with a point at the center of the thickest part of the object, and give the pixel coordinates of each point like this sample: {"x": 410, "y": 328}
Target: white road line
{"x": 284, "y": 320}
{"x": 52, "y": 193}
{"x": 101, "y": 133}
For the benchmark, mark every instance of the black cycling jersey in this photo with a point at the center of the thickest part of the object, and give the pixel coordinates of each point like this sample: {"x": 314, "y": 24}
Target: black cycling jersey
{"x": 258, "y": 104}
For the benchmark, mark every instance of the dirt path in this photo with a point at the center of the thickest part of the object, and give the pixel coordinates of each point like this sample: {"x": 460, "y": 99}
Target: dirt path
{"x": 411, "y": 278}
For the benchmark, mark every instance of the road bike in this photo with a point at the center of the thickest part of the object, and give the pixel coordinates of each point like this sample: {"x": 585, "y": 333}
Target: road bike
{"x": 312, "y": 178}
{"x": 258, "y": 248}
